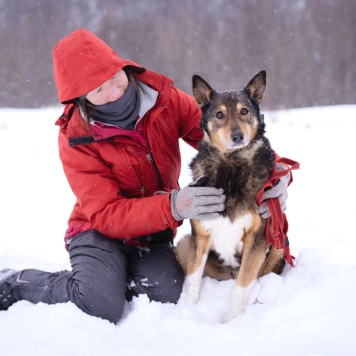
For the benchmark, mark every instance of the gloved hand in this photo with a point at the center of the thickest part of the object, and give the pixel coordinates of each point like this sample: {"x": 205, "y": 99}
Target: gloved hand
{"x": 278, "y": 191}
{"x": 194, "y": 202}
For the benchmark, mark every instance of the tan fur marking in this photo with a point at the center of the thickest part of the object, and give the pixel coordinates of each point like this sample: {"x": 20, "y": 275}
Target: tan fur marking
{"x": 253, "y": 256}
{"x": 240, "y": 106}
{"x": 248, "y": 154}
{"x": 274, "y": 262}
{"x": 252, "y": 260}
{"x": 215, "y": 137}
{"x": 223, "y": 109}
{"x": 213, "y": 271}
{"x": 182, "y": 251}
{"x": 254, "y": 129}
{"x": 225, "y": 135}
{"x": 199, "y": 245}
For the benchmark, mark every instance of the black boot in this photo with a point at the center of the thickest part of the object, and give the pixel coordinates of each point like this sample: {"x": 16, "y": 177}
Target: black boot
{"x": 6, "y": 293}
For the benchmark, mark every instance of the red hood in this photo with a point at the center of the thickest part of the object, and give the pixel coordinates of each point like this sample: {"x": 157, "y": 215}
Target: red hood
{"x": 82, "y": 62}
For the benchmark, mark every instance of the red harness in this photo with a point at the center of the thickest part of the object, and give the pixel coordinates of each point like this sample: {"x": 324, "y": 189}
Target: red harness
{"x": 277, "y": 224}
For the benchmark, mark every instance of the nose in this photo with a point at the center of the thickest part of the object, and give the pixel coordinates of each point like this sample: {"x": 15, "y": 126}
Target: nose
{"x": 237, "y": 136}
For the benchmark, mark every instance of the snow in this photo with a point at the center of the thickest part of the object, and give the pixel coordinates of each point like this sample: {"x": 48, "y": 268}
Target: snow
{"x": 309, "y": 310}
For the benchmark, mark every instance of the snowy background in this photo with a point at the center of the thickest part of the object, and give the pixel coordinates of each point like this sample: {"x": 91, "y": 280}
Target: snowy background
{"x": 309, "y": 310}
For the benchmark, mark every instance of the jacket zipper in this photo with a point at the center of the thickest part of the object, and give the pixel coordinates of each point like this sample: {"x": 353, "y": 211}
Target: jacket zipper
{"x": 150, "y": 159}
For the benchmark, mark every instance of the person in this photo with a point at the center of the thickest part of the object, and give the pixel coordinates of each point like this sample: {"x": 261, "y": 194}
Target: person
{"x": 119, "y": 147}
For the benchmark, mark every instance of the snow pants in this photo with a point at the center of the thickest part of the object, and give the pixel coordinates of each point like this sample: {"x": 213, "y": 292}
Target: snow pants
{"x": 105, "y": 273}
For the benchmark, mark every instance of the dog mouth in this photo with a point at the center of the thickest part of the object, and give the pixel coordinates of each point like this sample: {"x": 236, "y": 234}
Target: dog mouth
{"x": 231, "y": 145}
{"x": 236, "y": 147}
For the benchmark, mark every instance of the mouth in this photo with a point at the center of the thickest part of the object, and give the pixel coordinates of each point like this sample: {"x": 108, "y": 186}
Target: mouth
{"x": 237, "y": 145}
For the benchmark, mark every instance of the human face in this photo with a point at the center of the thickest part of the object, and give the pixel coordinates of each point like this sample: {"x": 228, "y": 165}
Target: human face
{"x": 112, "y": 90}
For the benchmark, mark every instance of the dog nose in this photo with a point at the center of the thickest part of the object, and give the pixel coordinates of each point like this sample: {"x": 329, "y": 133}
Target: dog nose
{"x": 237, "y": 136}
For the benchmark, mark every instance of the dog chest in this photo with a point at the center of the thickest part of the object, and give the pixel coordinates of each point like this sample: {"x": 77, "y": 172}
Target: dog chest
{"x": 226, "y": 236}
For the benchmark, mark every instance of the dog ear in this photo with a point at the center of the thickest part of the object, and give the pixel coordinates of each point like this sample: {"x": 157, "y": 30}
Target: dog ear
{"x": 202, "y": 91}
{"x": 256, "y": 86}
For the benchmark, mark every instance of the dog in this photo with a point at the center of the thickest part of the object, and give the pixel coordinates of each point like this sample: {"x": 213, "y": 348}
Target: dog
{"x": 234, "y": 155}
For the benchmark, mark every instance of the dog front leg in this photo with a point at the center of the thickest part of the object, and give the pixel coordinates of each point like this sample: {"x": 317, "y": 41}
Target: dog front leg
{"x": 252, "y": 260}
{"x": 198, "y": 254}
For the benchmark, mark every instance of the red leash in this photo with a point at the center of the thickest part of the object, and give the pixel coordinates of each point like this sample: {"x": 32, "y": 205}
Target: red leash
{"x": 277, "y": 224}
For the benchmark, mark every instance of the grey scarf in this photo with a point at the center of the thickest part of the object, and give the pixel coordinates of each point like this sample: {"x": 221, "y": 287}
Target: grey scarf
{"x": 121, "y": 113}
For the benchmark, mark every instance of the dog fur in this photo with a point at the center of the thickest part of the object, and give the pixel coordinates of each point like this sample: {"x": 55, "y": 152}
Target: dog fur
{"x": 234, "y": 155}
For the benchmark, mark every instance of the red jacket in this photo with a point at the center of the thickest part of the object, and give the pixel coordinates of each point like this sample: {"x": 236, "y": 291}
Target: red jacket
{"x": 115, "y": 179}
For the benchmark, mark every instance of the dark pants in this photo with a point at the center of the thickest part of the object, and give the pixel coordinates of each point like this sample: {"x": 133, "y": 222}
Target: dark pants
{"x": 104, "y": 274}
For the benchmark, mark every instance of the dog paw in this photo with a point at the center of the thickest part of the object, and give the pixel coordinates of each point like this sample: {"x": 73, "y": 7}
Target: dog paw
{"x": 192, "y": 289}
{"x": 192, "y": 298}
{"x": 231, "y": 315}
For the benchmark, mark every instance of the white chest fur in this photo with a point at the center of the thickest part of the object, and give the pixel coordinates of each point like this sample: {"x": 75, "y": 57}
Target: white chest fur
{"x": 226, "y": 236}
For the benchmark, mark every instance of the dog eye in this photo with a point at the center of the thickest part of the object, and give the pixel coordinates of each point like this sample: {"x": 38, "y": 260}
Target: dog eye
{"x": 219, "y": 115}
{"x": 244, "y": 111}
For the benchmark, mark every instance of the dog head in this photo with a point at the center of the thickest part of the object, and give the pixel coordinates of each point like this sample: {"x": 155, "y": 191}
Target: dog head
{"x": 231, "y": 120}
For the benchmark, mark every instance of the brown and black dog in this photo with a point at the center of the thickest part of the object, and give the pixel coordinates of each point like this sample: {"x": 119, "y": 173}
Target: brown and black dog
{"x": 234, "y": 155}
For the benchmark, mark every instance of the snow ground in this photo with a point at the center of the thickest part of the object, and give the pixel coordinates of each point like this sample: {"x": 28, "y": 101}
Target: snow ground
{"x": 309, "y": 310}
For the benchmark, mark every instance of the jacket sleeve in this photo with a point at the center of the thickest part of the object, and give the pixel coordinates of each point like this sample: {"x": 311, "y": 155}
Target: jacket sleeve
{"x": 100, "y": 201}
{"x": 190, "y": 116}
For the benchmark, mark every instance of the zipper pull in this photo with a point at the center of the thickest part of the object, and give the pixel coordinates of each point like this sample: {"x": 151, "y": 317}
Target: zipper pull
{"x": 149, "y": 158}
